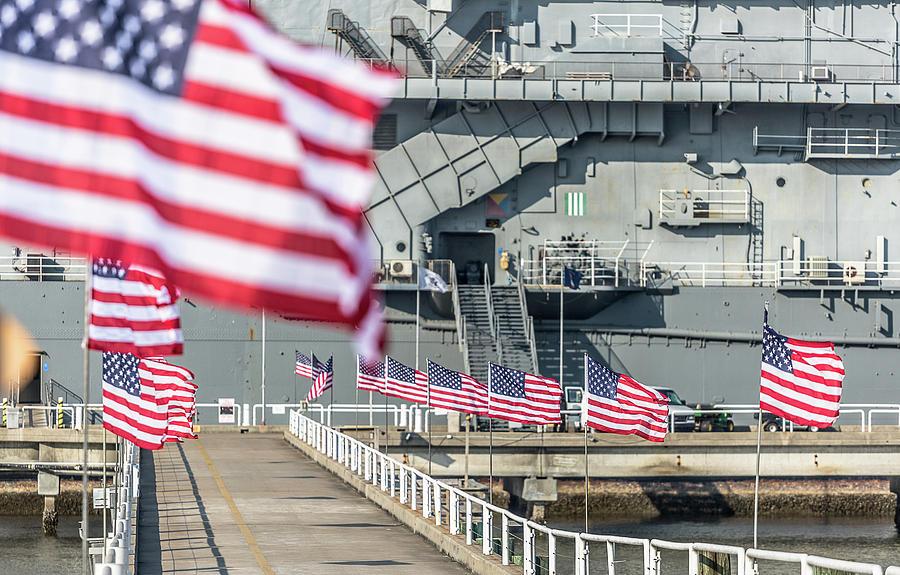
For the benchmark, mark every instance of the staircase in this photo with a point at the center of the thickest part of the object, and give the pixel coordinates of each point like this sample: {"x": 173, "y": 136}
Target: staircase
{"x": 481, "y": 348}
{"x": 404, "y": 30}
{"x": 468, "y": 59}
{"x": 356, "y": 37}
{"x": 513, "y": 328}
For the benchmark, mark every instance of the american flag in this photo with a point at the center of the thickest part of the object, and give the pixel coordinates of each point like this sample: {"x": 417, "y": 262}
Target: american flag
{"x": 456, "y": 391}
{"x": 189, "y": 136}
{"x": 616, "y": 403}
{"x": 405, "y": 382}
{"x": 369, "y": 374}
{"x": 176, "y": 388}
{"x": 522, "y": 397}
{"x": 303, "y": 365}
{"x": 801, "y": 380}
{"x": 133, "y": 310}
{"x": 323, "y": 378}
{"x": 142, "y": 401}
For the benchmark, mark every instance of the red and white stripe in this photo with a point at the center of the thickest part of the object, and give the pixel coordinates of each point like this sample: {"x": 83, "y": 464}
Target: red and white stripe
{"x": 416, "y": 391}
{"x": 163, "y": 411}
{"x": 246, "y": 189}
{"x": 136, "y": 314}
{"x": 368, "y": 382}
{"x": 636, "y": 410}
{"x": 540, "y": 406}
{"x": 473, "y": 398}
{"x": 811, "y": 395}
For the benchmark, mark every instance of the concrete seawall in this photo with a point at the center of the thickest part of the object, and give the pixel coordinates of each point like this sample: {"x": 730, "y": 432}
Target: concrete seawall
{"x": 454, "y": 547}
{"x": 21, "y": 498}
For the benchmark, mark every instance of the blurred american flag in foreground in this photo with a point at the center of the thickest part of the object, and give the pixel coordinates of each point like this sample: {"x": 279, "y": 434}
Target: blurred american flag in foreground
{"x": 189, "y": 136}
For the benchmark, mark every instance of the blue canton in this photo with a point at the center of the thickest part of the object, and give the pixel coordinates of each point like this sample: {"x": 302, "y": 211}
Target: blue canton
{"x": 775, "y": 352}
{"x": 107, "y": 268}
{"x": 602, "y": 381}
{"x": 373, "y": 368}
{"x": 508, "y": 382}
{"x": 303, "y": 359}
{"x": 319, "y": 367}
{"x": 399, "y": 372}
{"x": 121, "y": 370}
{"x": 145, "y": 40}
{"x": 440, "y": 376}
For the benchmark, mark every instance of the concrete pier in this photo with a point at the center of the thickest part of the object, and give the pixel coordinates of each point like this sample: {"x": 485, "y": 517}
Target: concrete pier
{"x": 242, "y": 504}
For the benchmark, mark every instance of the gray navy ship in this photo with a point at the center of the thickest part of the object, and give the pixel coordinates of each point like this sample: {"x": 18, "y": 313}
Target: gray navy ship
{"x": 692, "y": 159}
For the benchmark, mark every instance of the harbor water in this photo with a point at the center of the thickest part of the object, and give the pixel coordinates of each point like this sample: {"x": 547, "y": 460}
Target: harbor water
{"x": 875, "y": 541}
{"x": 26, "y": 551}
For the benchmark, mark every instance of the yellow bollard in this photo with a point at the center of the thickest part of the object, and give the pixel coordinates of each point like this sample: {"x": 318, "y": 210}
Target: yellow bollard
{"x": 59, "y": 413}
{"x": 5, "y": 407}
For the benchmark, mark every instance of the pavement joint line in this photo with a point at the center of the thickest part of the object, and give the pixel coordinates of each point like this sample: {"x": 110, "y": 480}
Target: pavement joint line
{"x": 235, "y": 512}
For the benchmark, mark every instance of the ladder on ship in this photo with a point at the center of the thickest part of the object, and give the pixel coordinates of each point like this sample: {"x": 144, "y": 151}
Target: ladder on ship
{"x": 355, "y": 36}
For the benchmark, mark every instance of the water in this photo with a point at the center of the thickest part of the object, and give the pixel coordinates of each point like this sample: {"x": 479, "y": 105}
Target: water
{"x": 872, "y": 541}
{"x": 25, "y": 551}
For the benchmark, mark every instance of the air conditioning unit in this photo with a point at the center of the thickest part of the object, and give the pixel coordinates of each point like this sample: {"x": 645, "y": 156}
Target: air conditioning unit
{"x": 402, "y": 269}
{"x": 820, "y": 73}
{"x": 817, "y": 267}
{"x": 854, "y": 273}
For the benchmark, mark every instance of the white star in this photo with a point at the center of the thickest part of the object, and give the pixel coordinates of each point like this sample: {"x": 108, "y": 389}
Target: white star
{"x": 132, "y": 24}
{"x": 163, "y": 77}
{"x": 24, "y": 4}
{"x": 44, "y": 24}
{"x": 172, "y": 36}
{"x": 25, "y": 41}
{"x": 183, "y": 5}
{"x": 66, "y": 49}
{"x": 148, "y": 50}
{"x": 152, "y": 10}
{"x": 8, "y": 15}
{"x": 91, "y": 32}
{"x": 107, "y": 17}
{"x": 68, "y": 9}
{"x": 138, "y": 68}
{"x": 112, "y": 59}
{"x": 124, "y": 41}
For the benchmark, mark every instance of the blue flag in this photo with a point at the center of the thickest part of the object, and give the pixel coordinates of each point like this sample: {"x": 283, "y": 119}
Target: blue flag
{"x": 572, "y": 277}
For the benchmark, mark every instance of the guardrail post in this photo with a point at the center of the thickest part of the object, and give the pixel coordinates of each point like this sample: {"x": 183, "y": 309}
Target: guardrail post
{"x": 527, "y": 549}
{"x": 436, "y": 488}
{"x": 403, "y": 477}
{"x": 470, "y": 536}
{"x": 383, "y": 471}
{"x": 610, "y": 558}
{"x": 582, "y": 556}
{"x": 391, "y": 479}
{"x": 504, "y": 539}
{"x": 693, "y": 561}
{"x": 426, "y": 496}
{"x": 486, "y": 530}
{"x": 551, "y": 551}
{"x": 414, "y": 496}
{"x": 454, "y": 512}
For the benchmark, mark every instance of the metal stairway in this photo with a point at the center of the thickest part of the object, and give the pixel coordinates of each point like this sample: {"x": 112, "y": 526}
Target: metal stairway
{"x": 513, "y": 328}
{"x": 356, "y": 37}
{"x": 468, "y": 59}
{"x": 481, "y": 347}
{"x": 478, "y": 149}
{"x": 404, "y": 30}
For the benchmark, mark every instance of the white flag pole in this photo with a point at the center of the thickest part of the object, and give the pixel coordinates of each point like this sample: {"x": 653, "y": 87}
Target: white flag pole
{"x": 86, "y": 393}
{"x": 759, "y": 426}
{"x": 584, "y": 398}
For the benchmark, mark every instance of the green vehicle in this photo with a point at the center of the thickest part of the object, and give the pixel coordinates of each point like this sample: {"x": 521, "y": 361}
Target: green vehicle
{"x": 722, "y": 421}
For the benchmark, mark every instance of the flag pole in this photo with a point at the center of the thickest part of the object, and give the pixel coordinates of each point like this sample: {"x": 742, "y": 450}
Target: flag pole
{"x": 356, "y": 410}
{"x": 430, "y": 422}
{"x": 562, "y": 290}
{"x": 262, "y": 361}
{"x": 490, "y": 443}
{"x": 385, "y": 406}
{"x": 584, "y": 428}
{"x": 759, "y": 426}
{"x": 86, "y": 391}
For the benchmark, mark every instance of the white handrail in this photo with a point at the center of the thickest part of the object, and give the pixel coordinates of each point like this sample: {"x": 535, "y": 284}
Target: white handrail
{"x": 119, "y": 543}
{"x": 420, "y": 492}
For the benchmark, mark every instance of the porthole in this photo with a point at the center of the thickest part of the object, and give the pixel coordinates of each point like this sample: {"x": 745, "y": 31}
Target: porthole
{"x": 780, "y": 182}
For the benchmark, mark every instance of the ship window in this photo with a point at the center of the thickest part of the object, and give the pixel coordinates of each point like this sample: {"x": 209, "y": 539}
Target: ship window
{"x": 780, "y": 182}
{"x": 401, "y": 247}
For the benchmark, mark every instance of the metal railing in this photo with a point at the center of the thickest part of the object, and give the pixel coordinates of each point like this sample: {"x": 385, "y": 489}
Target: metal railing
{"x": 601, "y": 263}
{"x": 598, "y": 70}
{"x": 528, "y": 323}
{"x": 460, "y": 319}
{"x": 118, "y": 545}
{"x": 489, "y": 302}
{"x": 784, "y": 274}
{"x": 40, "y": 267}
{"x": 627, "y": 24}
{"x": 713, "y": 205}
{"x": 852, "y": 143}
{"x": 477, "y": 522}
{"x": 404, "y": 272}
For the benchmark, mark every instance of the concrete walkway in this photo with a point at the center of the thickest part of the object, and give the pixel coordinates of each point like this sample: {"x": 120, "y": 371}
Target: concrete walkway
{"x": 241, "y": 504}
